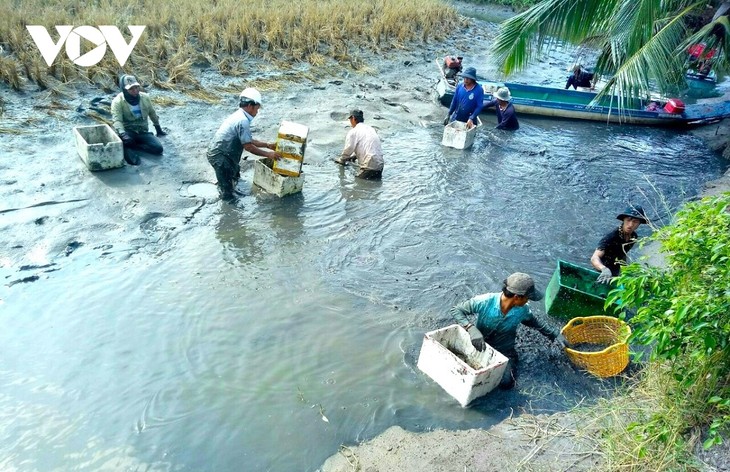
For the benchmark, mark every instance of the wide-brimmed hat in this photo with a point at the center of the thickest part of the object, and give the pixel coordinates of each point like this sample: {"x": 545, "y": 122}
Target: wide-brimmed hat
{"x": 634, "y": 212}
{"x": 503, "y": 94}
{"x": 522, "y": 284}
{"x": 469, "y": 73}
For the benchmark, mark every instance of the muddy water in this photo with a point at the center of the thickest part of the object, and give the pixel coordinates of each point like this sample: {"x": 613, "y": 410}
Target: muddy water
{"x": 270, "y": 333}
{"x": 147, "y": 326}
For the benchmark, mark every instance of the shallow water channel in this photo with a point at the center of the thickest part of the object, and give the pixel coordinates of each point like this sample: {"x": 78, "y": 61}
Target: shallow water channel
{"x": 285, "y": 328}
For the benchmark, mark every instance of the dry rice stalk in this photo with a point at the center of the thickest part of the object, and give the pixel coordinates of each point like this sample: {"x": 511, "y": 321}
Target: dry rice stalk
{"x": 54, "y": 105}
{"x": 13, "y": 131}
{"x": 9, "y": 73}
{"x": 267, "y": 84}
{"x": 230, "y": 88}
{"x": 97, "y": 117}
{"x": 203, "y": 96}
{"x": 167, "y": 101}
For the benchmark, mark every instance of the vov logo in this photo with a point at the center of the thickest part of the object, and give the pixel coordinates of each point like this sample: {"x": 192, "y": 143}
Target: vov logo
{"x": 101, "y": 37}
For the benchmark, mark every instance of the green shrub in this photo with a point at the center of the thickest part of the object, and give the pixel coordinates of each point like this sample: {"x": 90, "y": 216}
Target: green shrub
{"x": 682, "y": 310}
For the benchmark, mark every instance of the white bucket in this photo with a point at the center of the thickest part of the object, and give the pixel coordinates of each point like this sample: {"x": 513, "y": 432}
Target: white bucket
{"x": 457, "y": 136}
{"x": 465, "y": 377}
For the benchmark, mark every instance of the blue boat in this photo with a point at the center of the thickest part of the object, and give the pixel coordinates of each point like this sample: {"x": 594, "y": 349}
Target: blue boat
{"x": 577, "y": 104}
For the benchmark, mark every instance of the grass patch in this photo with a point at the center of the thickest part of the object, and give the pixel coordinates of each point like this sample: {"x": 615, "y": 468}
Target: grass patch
{"x": 183, "y": 33}
{"x": 167, "y": 101}
{"x": 203, "y": 96}
{"x": 646, "y": 427}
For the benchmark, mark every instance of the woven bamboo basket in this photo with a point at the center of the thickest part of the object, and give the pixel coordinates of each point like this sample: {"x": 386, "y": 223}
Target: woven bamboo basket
{"x": 601, "y": 330}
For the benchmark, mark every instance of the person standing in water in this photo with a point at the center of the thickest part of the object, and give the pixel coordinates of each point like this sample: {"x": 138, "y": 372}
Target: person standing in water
{"x": 468, "y": 100}
{"x": 494, "y": 318}
{"x": 506, "y": 117}
{"x": 613, "y": 248}
{"x": 232, "y": 138}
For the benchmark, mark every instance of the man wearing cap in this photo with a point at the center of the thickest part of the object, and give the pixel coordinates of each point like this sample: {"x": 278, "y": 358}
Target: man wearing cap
{"x": 130, "y": 110}
{"x": 232, "y": 138}
{"x": 498, "y": 315}
{"x": 362, "y": 143}
{"x": 506, "y": 117}
{"x": 613, "y": 248}
{"x": 468, "y": 100}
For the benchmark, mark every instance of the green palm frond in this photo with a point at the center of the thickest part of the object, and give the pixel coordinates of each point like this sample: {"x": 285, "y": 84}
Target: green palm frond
{"x": 523, "y": 37}
{"x": 634, "y": 23}
{"x": 656, "y": 65}
{"x": 715, "y": 35}
{"x": 642, "y": 43}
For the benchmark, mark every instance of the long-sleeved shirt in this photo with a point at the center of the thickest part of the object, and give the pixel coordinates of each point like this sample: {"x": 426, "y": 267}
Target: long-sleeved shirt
{"x": 364, "y": 143}
{"x": 506, "y": 119}
{"x": 467, "y": 104}
{"x": 124, "y": 118}
{"x": 499, "y": 330}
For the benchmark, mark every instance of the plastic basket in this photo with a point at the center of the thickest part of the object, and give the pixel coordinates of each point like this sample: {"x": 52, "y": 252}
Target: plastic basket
{"x": 573, "y": 292}
{"x": 602, "y": 330}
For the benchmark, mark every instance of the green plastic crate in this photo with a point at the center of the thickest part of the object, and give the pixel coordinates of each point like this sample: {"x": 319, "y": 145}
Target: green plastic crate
{"x": 573, "y": 291}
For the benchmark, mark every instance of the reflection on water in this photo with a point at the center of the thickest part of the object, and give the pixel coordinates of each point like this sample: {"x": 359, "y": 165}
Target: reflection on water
{"x": 237, "y": 237}
{"x": 229, "y": 351}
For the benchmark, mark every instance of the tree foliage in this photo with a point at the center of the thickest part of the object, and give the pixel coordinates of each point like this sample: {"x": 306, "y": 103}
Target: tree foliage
{"x": 682, "y": 309}
{"x": 642, "y": 43}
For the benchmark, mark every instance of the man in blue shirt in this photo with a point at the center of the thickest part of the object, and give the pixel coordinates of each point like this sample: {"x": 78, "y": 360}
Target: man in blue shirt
{"x": 468, "y": 100}
{"x": 497, "y": 317}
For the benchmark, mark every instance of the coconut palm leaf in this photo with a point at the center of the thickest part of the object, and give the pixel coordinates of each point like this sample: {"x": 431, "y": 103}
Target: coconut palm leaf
{"x": 523, "y": 37}
{"x": 640, "y": 41}
{"x": 653, "y": 66}
{"x": 656, "y": 65}
{"x": 715, "y": 35}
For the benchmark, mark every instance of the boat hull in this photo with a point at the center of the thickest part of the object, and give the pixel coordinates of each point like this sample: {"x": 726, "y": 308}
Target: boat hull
{"x": 577, "y": 105}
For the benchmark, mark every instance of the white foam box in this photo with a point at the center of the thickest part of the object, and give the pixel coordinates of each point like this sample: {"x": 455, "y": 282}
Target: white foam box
{"x": 99, "y": 147}
{"x": 465, "y": 377}
{"x": 276, "y": 184}
{"x": 457, "y": 136}
{"x": 291, "y": 142}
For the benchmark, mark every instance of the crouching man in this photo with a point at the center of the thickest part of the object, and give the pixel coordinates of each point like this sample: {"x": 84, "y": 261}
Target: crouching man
{"x": 362, "y": 144}
{"x": 130, "y": 111}
{"x": 496, "y": 317}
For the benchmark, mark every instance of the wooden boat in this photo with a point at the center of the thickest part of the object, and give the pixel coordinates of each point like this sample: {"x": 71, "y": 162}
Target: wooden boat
{"x": 698, "y": 81}
{"x": 576, "y": 104}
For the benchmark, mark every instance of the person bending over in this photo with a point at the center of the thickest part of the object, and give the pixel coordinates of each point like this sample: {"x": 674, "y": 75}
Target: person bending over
{"x": 496, "y": 317}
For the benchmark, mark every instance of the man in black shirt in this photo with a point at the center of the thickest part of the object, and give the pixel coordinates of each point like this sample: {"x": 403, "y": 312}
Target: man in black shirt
{"x": 613, "y": 247}
{"x": 580, "y": 78}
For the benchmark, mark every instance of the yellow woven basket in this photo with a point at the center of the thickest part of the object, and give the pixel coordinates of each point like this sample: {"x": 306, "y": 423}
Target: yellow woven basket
{"x": 602, "y": 330}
